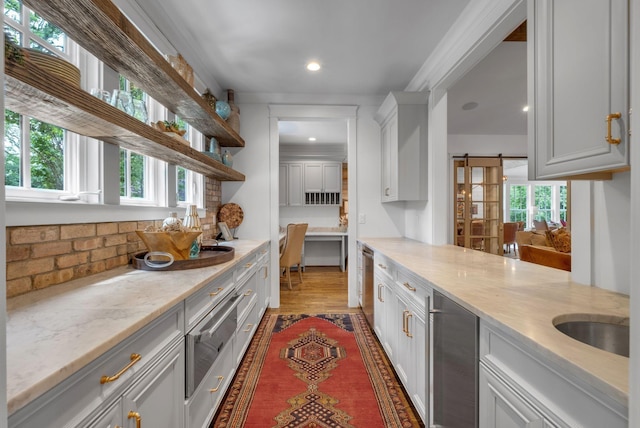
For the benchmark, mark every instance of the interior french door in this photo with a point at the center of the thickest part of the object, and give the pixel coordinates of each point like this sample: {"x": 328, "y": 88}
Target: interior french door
{"x": 478, "y": 210}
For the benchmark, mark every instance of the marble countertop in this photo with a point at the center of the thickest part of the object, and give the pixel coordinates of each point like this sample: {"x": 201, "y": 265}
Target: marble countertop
{"x": 54, "y": 332}
{"x": 521, "y": 298}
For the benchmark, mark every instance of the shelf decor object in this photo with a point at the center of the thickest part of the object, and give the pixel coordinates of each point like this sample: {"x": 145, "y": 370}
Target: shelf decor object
{"x": 234, "y": 117}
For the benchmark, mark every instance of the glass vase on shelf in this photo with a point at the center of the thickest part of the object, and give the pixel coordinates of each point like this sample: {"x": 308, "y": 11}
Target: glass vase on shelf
{"x": 192, "y": 222}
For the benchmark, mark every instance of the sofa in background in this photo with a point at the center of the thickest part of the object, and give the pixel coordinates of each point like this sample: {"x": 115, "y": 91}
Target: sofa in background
{"x": 535, "y": 247}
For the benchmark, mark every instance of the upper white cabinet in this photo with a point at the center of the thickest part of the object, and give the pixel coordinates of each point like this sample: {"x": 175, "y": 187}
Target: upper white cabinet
{"x": 578, "y": 67}
{"x": 403, "y": 121}
{"x": 310, "y": 183}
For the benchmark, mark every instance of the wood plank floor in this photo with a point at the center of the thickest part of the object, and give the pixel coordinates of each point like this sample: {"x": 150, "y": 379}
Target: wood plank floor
{"x": 323, "y": 291}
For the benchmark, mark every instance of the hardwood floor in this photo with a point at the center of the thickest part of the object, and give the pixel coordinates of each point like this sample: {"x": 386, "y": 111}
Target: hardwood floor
{"x": 323, "y": 291}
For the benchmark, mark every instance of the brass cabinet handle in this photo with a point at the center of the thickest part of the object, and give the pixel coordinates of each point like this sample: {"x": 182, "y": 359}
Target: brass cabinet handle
{"x": 215, "y": 293}
{"x": 610, "y": 118}
{"x": 134, "y": 359}
{"x": 409, "y": 314}
{"x": 248, "y": 293}
{"x": 406, "y": 284}
{"x": 386, "y": 191}
{"x": 220, "y": 379}
{"x": 380, "y": 293}
{"x": 249, "y": 327}
{"x": 137, "y": 417}
{"x": 248, "y": 265}
{"x": 266, "y": 272}
{"x": 404, "y": 321}
{"x": 382, "y": 266}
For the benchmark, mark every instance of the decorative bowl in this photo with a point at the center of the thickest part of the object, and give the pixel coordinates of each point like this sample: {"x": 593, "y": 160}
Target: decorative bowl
{"x": 177, "y": 244}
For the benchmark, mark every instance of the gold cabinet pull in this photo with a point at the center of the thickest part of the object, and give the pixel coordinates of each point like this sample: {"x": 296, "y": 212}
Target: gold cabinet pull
{"x": 248, "y": 265}
{"x": 408, "y": 333}
{"x": 266, "y": 272}
{"x": 404, "y": 321}
{"x": 137, "y": 417}
{"x": 249, "y": 327}
{"x": 134, "y": 359}
{"x": 248, "y": 293}
{"x": 382, "y": 266}
{"x": 215, "y": 293}
{"x": 610, "y": 118}
{"x": 406, "y": 284}
{"x": 380, "y": 293}
{"x": 220, "y": 379}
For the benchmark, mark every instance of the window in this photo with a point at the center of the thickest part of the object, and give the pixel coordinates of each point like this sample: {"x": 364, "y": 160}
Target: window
{"x": 37, "y": 154}
{"x": 528, "y": 202}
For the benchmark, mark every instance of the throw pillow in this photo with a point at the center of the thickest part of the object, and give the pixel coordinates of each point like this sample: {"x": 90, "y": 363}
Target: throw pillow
{"x": 560, "y": 240}
{"x": 540, "y": 239}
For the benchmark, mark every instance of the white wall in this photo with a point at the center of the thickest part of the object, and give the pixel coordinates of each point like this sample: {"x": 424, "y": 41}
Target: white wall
{"x": 315, "y": 216}
{"x": 508, "y": 145}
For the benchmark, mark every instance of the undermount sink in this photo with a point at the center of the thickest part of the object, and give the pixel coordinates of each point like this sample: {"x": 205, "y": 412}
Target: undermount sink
{"x": 606, "y": 332}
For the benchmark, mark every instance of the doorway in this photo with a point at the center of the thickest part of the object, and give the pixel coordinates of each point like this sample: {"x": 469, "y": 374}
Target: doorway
{"x": 311, "y": 114}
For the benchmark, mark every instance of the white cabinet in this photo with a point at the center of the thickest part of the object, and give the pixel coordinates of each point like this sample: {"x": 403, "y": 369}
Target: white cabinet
{"x": 291, "y": 184}
{"x": 520, "y": 386}
{"x": 578, "y": 69}
{"x": 283, "y": 189}
{"x": 263, "y": 281}
{"x": 502, "y": 407}
{"x": 400, "y": 303}
{"x": 322, "y": 183}
{"x": 157, "y": 399}
{"x": 112, "y": 418}
{"x": 403, "y": 122}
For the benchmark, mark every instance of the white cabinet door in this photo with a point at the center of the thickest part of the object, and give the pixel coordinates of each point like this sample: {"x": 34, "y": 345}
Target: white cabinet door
{"x": 579, "y": 74}
{"x": 501, "y": 407}
{"x": 157, "y": 399}
{"x": 283, "y": 190}
{"x": 294, "y": 184}
{"x": 390, "y": 161}
{"x": 313, "y": 178}
{"x": 112, "y": 418}
{"x": 332, "y": 177}
{"x": 382, "y": 313}
{"x": 403, "y": 125}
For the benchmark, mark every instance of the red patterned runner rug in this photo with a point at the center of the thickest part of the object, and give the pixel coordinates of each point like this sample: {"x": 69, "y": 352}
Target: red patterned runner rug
{"x": 315, "y": 371}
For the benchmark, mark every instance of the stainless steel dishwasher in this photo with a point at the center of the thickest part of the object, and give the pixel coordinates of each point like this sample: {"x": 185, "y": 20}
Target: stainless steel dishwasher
{"x": 455, "y": 364}
{"x": 367, "y": 284}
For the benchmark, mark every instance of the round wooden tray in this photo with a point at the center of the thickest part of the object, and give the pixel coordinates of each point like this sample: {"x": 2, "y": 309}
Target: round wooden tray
{"x": 231, "y": 214}
{"x": 209, "y": 256}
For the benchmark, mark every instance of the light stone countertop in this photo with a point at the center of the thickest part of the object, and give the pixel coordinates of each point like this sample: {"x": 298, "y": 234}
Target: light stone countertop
{"x": 54, "y": 332}
{"x": 522, "y": 299}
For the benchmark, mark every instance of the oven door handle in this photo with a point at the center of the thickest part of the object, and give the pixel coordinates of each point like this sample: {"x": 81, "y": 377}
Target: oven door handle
{"x": 207, "y": 334}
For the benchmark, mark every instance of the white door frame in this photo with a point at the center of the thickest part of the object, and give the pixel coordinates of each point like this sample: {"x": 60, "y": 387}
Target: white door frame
{"x": 292, "y": 112}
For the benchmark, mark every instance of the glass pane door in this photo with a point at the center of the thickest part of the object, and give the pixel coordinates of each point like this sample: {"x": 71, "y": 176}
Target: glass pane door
{"x": 478, "y": 204}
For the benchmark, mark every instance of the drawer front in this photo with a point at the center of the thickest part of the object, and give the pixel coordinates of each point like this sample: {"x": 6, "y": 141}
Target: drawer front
{"x": 82, "y": 394}
{"x": 244, "y": 270}
{"x": 200, "y": 303}
{"x": 247, "y": 326}
{"x": 202, "y": 405}
{"x": 263, "y": 254}
{"x": 384, "y": 265}
{"x": 414, "y": 286}
{"x": 248, "y": 293}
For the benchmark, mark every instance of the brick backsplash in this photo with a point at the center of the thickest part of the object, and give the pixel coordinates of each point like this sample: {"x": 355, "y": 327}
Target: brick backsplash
{"x": 42, "y": 256}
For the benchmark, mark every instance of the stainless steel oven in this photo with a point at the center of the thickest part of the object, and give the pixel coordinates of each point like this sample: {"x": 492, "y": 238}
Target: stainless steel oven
{"x": 208, "y": 338}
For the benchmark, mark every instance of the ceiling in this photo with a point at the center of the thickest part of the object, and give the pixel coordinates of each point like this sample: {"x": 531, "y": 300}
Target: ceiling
{"x": 365, "y": 47}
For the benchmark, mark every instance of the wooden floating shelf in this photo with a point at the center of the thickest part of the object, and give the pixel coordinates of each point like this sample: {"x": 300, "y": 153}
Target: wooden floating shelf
{"x": 100, "y": 27}
{"x": 33, "y": 91}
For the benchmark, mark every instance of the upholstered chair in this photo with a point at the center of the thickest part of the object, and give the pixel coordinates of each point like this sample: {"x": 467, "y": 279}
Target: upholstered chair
{"x": 291, "y": 254}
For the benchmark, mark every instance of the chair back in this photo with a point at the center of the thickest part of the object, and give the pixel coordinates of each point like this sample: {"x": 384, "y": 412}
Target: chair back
{"x": 510, "y": 230}
{"x": 292, "y": 252}
{"x": 540, "y": 224}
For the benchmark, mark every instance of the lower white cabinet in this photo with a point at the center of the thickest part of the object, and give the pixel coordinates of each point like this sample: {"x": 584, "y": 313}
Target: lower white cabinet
{"x": 501, "y": 406}
{"x": 111, "y": 418}
{"x": 157, "y": 398}
{"x": 263, "y": 283}
{"x": 400, "y": 304}
{"x": 519, "y": 387}
{"x": 202, "y": 405}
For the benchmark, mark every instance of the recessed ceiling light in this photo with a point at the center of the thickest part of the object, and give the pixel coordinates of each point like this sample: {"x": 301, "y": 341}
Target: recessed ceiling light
{"x": 470, "y": 106}
{"x": 525, "y": 109}
{"x": 313, "y": 66}
{"x": 312, "y": 138}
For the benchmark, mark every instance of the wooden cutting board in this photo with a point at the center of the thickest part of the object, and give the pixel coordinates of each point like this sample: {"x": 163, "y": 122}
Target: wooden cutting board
{"x": 231, "y": 214}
